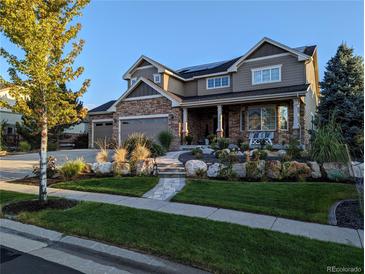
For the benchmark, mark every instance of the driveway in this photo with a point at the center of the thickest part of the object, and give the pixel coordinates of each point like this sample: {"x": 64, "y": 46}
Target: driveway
{"x": 19, "y": 166}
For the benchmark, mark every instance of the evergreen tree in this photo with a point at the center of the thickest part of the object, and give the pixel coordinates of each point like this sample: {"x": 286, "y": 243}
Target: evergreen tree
{"x": 43, "y": 30}
{"x": 342, "y": 92}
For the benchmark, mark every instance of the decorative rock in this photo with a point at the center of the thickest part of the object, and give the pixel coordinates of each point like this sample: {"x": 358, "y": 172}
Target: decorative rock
{"x": 253, "y": 151}
{"x": 281, "y": 153}
{"x": 226, "y": 150}
{"x": 207, "y": 150}
{"x": 358, "y": 169}
{"x": 336, "y": 171}
{"x": 214, "y": 170}
{"x": 273, "y": 169}
{"x": 122, "y": 169}
{"x": 239, "y": 170}
{"x": 192, "y": 166}
{"x": 315, "y": 170}
{"x": 102, "y": 168}
{"x": 296, "y": 170}
{"x": 145, "y": 167}
{"x": 240, "y": 154}
{"x": 233, "y": 147}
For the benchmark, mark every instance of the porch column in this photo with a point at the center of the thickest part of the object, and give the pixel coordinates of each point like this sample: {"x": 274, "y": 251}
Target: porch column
{"x": 219, "y": 121}
{"x": 185, "y": 130}
{"x": 296, "y": 113}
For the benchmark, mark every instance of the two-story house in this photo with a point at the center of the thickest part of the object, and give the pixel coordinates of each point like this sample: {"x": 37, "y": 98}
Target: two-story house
{"x": 271, "y": 88}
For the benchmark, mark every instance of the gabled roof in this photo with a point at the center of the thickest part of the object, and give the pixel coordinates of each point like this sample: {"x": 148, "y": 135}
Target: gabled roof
{"x": 301, "y": 55}
{"x": 103, "y": 107}
{"x": 176, "y": 100}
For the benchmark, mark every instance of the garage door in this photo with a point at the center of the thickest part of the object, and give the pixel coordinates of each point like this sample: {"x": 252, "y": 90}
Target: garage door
{"x": 103, "y": 131}
{"x": 151, "y": 127}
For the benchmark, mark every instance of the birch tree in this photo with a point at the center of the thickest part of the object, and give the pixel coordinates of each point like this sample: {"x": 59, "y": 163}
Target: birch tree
{"x": 43, "y": 30}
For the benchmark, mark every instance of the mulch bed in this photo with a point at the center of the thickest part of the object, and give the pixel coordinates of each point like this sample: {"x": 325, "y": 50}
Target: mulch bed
{"x": 36, "y": 205}
{"x": 207, "y": 158}
{"x": 348, "y": 214}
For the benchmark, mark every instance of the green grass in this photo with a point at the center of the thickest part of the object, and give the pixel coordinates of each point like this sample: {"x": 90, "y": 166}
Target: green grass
{"x": 215, "y": 246}
{"x": 10, "y": 196}
{"x": 130, "y": 186}
{"x": 302, "y": 201}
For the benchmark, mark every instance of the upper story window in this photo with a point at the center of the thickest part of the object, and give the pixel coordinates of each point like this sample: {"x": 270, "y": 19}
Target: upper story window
{"x": 266, "y": 75}
{"x": 218, "y": 82}
{"x": 157, "y": 78}
{"x": 133, "y": 81}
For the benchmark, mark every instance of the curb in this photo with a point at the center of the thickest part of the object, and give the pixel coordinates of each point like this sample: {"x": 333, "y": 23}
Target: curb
{"x": 109, "y": 253}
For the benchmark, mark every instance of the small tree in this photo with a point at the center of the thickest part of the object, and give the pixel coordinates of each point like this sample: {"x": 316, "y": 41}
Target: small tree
{"x": 342, "y": 94}
{"x": 42, "y": 30}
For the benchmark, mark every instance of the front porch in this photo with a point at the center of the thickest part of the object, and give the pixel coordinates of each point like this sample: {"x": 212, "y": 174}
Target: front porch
{"x": 281, "y": 120}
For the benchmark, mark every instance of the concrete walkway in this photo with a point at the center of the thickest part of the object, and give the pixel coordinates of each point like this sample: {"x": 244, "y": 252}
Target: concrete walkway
{"x": 86, "y": 256}
{"x": 321, "y": 232}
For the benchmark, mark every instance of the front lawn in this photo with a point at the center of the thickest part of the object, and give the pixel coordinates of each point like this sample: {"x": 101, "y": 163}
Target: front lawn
{"x": 10, "y": 196}
{"x": 302, "y": 201}
{"x": 215, "y": 246}
{"x": 130, "y": 186}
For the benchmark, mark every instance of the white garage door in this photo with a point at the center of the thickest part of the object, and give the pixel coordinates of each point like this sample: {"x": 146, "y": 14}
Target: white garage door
{"x": 151, "y": 127}
{"x": 102, "y": 131}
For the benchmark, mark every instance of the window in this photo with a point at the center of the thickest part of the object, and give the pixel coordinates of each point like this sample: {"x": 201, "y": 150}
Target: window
{"x": 133, "y": 81}
{"x": 99, "y": 124}
{"x": 283, "y": 118}
{"x": 262, "y": 118}
{"x": 109, "y": 123}
{"x": 266, "y": 75}
{"x": 218, "y": 82}
{"x": 157, "y": 78}
{"x": 10, "y": 130}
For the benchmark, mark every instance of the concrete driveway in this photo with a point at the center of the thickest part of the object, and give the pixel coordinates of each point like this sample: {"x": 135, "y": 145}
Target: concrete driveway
{"x": 19, "y": 166}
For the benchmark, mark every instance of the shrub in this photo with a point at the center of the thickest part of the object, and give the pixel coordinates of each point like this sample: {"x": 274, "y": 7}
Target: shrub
{"x": 259, "y": 154}
{"x": 72, "y": 168}
{"x": 120, "y": 155}
{"x": 51, "y": 167}
{"x": 188, "y": 139}
{"x": 227, "y": 173}
{"x": 294, "y": 148}
{"x": 52, "y": 146}
{"x": 197, "y": 152}
{"x": 269, "y": 147}
{"x": 135, "y": 139}
{"x": 82, "y": 141}
{"x": 141, "y": 152}
{"x": 252, "y": 170}
{"x": 245, "y": 146}
{"x": 24, "y": 146}
{"x": 328, "y": 145}
{"x": 165, "y": 139}
{"x": 157, "y": 150}
{"x": 222, "y": 143}
{"x": 212, "y": 138}
{"x": 200, "y": 173}
{"x": 102, "y": 155}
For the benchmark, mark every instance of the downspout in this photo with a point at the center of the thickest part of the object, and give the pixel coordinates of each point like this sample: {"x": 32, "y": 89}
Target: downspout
{"x": 300, "y": 125}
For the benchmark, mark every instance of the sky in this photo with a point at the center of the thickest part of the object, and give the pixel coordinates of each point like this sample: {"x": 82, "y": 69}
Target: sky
{"x": 185, "y": 33}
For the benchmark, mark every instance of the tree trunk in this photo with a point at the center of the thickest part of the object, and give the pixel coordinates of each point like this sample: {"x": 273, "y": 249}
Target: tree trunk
{"x": 43, "y": 163}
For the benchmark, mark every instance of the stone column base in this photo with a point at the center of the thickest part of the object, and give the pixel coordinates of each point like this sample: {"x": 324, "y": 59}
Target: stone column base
{"x": 220, "y": 134}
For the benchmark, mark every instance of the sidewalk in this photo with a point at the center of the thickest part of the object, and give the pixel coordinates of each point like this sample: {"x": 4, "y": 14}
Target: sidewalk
{"x": 86, "y": 256}
{"x": 311, "y": 230}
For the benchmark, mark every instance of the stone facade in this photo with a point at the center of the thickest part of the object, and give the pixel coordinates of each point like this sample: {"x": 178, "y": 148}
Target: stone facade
{"x": 160, "y": 105}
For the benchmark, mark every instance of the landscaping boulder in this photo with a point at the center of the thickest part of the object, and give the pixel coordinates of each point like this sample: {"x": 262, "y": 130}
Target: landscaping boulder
{"x": 239, "y": 169}
{"x": 102, "y": 168}
{"x": 207, "y": 150}
{"x": 315, "y": 170}
{"x": 296, "y": 170}
{"x": 252, "y": 152}
{"x": 226, "y": 150}
{"x": 233, "y": 147}
{"x": 281, "y": 153}
{"x": 145, "y": 167}
{"x": 255, "y": 170}
{"x": 336, "y": 171}
{"x": 194, "y": 166}
{"x": 214, "y": 170}
{"x": 273, "y": 169}
{"x": 358, "y": 169}
{"x": 240, "y": 154}
{"x": 122, "y": 169}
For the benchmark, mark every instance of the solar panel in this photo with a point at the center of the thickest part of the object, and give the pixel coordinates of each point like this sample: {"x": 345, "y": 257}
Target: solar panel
{"x": 201, "y": 67}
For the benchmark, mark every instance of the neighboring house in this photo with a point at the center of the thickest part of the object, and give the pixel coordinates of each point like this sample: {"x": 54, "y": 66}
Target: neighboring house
{"x": 272, "y": 88}
{"x": 9, "y": 118}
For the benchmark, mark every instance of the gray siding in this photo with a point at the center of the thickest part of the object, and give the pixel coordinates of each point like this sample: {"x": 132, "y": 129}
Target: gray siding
{"x": 190, "y": 88}
{"x": 142, "y": 90}
{"x": 202, "y": 88}
{"x": 265, "y": 49}
{"x": 173, "y": 85}
{"x": 146, "y": 73}
{"x": 292, "y": 73}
